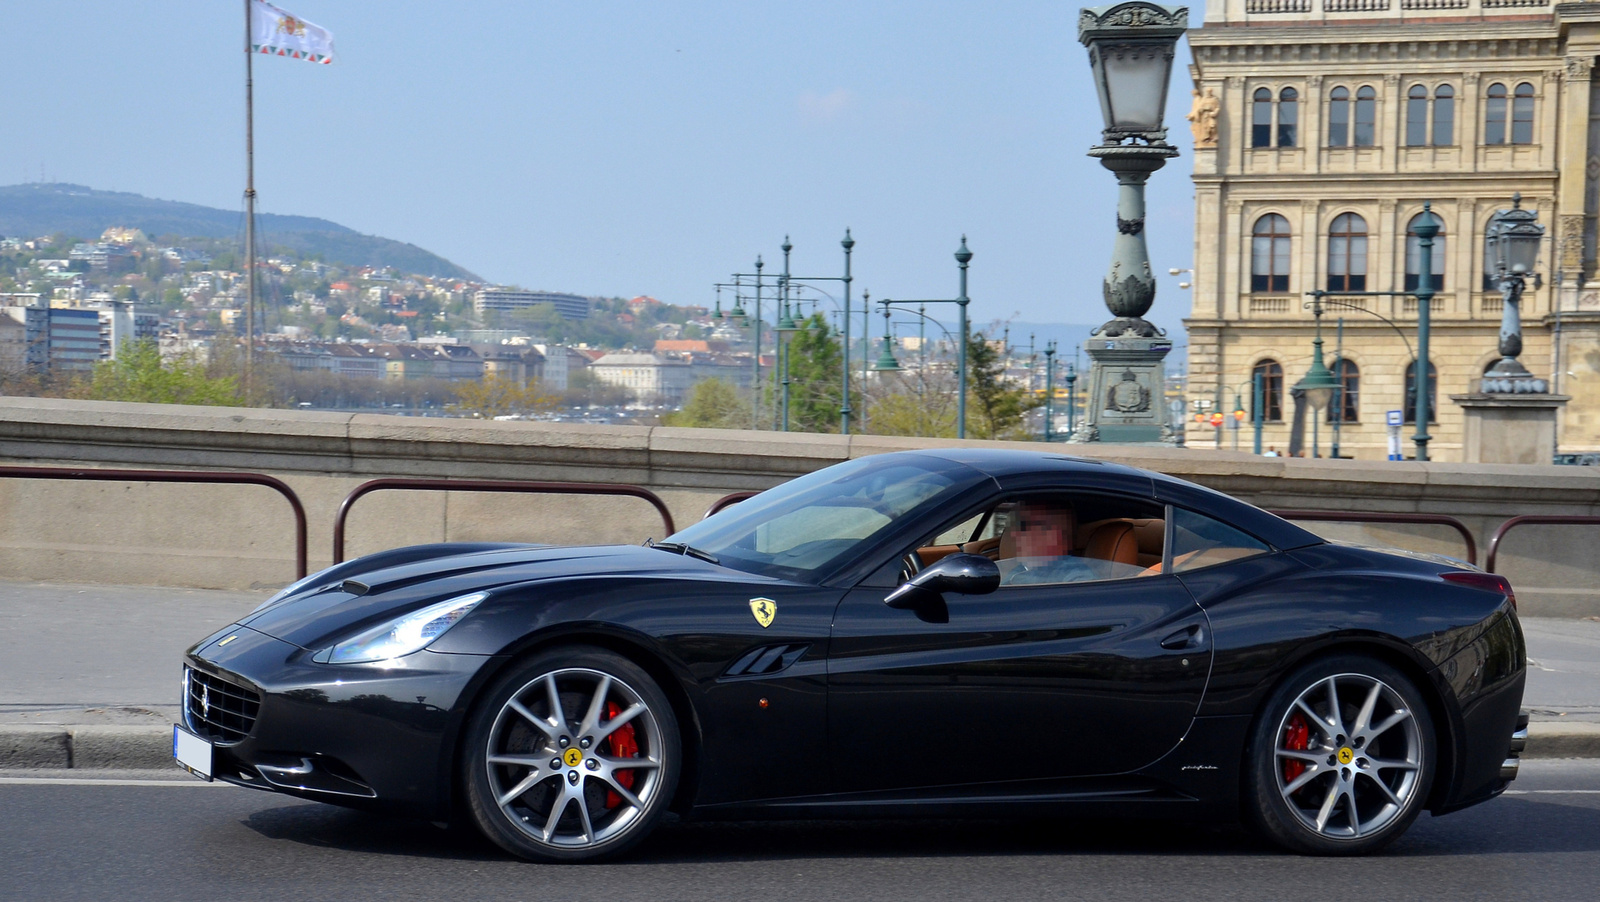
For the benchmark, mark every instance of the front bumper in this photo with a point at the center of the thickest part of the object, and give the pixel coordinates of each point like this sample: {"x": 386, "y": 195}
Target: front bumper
{"x": 362, "y": 735}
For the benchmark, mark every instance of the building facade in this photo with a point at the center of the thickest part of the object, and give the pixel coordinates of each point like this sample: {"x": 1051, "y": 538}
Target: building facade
{"x": 1322, "y": 127}
{"x": 505, "y": 300}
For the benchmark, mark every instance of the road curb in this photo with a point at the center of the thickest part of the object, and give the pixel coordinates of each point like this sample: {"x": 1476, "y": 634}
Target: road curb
{"x": 150, "y": 748}
{"x": 1563, "y": 740}
{"x": 55, "y": 747}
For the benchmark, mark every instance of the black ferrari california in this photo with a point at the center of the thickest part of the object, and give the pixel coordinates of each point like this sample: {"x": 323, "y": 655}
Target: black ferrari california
{"x": 930, "y": 633}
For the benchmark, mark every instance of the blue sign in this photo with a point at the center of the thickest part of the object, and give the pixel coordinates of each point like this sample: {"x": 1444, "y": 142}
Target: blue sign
{"x": 1397, "y": 418}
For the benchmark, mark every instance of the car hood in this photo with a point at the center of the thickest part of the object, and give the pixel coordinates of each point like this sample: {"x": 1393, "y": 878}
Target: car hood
{"x": 352, "y": 597}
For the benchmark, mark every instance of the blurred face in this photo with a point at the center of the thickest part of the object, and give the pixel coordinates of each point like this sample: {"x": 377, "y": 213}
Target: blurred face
{"x": 1043, "y": 530}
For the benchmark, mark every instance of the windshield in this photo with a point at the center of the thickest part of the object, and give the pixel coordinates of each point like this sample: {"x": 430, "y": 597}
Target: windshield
{"x": 805, "y": 527}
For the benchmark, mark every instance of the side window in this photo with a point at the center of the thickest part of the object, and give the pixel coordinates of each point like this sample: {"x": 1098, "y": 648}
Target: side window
{"x": 967, "y": 530}
{"x": 1199, "y": 541}
{"x": 1042, "y": 539}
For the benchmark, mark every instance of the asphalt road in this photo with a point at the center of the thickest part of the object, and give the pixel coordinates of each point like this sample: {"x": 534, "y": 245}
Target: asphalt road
{"x": 83, "y": 837}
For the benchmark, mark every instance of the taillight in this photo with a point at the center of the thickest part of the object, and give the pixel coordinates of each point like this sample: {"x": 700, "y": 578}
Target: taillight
{"x": 1488, "y": 582}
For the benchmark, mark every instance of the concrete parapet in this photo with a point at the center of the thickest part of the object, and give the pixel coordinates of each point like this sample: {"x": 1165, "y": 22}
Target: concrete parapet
{"x": 239, "y": 537}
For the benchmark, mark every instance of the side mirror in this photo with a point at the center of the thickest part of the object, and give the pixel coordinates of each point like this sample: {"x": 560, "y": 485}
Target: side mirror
{"x": 963, "y": 574}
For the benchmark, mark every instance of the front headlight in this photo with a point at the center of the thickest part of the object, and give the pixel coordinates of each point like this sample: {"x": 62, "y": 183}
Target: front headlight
{"x": 401, "y": 636}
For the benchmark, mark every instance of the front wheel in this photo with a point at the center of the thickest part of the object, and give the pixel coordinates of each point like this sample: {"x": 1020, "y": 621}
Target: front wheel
{"x": 1341, "y": 761}
{"x": 573, "y": 755}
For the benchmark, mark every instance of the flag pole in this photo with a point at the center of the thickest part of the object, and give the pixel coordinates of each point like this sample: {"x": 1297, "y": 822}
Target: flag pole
{"x": 249, "y": 206}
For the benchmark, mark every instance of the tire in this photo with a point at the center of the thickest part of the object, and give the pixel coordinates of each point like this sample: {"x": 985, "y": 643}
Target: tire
{"x": 1345, "y": 785}
{"x": 553, "y": 732}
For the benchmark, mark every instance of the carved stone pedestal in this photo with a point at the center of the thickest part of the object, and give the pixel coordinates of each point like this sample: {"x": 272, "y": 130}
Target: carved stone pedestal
{"x": 1127, "y": 388}
{"x": 1509, "y": 429}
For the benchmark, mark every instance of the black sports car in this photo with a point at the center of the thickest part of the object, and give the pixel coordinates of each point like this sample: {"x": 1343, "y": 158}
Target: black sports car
{"x": 943, "y": 633}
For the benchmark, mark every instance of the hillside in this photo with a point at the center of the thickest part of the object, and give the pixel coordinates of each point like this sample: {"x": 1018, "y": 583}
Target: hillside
{"x": 45, "y": 209}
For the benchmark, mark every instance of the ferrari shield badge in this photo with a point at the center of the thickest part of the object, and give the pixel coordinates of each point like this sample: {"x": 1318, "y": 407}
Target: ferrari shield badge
{"x": 765, "y": 610}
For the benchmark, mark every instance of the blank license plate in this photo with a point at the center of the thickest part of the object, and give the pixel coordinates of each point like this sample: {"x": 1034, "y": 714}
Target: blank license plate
{"x": 192, "y": 752}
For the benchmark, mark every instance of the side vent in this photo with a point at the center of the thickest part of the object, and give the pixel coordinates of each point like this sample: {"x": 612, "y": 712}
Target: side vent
{"x": 766, "y": 660}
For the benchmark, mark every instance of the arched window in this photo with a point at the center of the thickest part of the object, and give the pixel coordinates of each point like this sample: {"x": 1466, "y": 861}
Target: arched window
{"x": 1417, "y": 116}
{"x": 1339, "y": 117}
{"x": 1522, "y": 115}
{"x": 1366, "y": 117}
{"x": 1261, "y": 119}
{"x": 1444, "y": 116}
{"x": 1288, "y": 116}
{"x": 1414, "y": 257}
{"x": 1349, "y": 393}
{"x": 1494, "y": 116}
{"x": 1347, "y": 253}
{"x": 1271, "y": 390}
{"x": 1269, "y": 254}
{"x": 1411, "y": 392}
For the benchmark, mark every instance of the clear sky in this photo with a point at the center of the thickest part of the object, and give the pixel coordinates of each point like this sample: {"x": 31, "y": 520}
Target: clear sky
{"x": 622, "y": 148}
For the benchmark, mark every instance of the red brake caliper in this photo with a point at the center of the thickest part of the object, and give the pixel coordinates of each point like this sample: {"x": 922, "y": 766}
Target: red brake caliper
{"x": 624, "y": 744}
{"x": 1296, "y": 736}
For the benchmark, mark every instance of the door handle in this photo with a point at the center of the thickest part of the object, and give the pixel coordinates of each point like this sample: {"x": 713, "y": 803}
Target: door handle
{"x": 1188, "y": 637}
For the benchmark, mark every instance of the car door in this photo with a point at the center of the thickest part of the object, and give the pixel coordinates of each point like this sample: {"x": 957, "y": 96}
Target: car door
{"x": 1031, "y": 682}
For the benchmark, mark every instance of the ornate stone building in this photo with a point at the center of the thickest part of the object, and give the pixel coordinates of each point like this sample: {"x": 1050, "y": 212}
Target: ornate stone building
{"x": 1322, "y": 127}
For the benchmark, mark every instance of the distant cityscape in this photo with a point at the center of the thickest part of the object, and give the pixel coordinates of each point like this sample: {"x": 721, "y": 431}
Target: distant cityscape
{"x": 336, "y": 332}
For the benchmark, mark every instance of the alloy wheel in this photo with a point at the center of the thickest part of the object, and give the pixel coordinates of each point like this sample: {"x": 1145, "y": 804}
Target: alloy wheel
{"x": 574, "y": 758}
{"x": 1348, "y": 756}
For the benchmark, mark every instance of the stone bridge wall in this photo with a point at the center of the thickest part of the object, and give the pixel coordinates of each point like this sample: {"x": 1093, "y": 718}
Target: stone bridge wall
{"x": 241, "y": 536}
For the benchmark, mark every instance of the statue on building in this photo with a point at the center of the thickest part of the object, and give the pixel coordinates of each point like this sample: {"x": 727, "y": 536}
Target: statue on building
{"x": 1203, "y": 117}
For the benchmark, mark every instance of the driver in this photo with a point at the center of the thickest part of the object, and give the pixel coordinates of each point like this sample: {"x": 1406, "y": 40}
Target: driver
{"x": 1037, "y": 548}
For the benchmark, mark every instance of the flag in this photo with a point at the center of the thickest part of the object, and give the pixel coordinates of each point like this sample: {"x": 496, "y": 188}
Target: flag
{"x": 277, "y": 33}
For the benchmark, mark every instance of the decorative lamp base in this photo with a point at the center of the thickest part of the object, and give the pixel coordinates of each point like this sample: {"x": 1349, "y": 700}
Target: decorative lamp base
{"x": 1127, "y": 385}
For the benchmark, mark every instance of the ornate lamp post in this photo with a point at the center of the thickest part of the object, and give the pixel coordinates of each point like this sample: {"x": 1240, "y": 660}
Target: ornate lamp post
{"x": 1512, "y": 417}
{"x": 1131, "y": 48}
{"x": 1512, "y": 243}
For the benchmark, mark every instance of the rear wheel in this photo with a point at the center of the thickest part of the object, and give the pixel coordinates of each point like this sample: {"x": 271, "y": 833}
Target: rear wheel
{"x": 1342, "y": 759}
{"x": 571, "y": 756}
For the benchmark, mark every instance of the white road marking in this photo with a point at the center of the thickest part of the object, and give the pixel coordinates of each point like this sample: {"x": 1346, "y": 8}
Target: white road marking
{"x": 93, "y": 781}
{"x": 1549, "y": 792}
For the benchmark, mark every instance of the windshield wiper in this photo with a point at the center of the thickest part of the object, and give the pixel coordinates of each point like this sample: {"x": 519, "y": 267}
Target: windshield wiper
{"x": 680, "y": 548}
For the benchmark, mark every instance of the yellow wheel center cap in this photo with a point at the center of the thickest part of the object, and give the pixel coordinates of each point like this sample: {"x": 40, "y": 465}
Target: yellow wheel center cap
{"x": 574, "y": 757}
{"x": 1346, "y": 755}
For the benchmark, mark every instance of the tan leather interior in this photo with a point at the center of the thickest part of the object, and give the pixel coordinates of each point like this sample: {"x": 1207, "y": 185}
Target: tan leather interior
{"x": 1113, "y": 541}
{"x": 928, "y": 554}
{"x": 1133, "y": 541}
{"x": 1149, "y": 533}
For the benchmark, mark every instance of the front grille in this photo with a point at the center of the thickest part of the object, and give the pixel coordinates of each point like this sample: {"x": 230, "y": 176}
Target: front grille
{"x": 218, "y": 709}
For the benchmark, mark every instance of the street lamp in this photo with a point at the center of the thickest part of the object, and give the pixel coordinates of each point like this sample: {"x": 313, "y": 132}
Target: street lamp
{"x": 1131, "y": 49}
{"x": 1049, "y": 389}
{"x": 1318, "y": 383}
{"x": 1072, "y": 396}
{"x": 963, "y": 258}
{"x": 1512, "y": 245}
{"x": 886, "y": 362}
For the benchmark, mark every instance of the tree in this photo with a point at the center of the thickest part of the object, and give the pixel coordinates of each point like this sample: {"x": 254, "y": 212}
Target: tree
{"x": 138, "y": 373}
{"x": 713, "y": 404}
{"x": 493, "y": 396}
{"x": 915, "y": 402}
{"x": 994, "y": 407}
{"x": 815, "y": 372}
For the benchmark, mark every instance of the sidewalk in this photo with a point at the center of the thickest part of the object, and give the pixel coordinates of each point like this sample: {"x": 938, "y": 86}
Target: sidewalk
{"x": 89, "y": 675}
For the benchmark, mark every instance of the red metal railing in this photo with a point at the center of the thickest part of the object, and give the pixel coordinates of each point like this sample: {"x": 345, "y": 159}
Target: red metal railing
{"x": 728, "y": 501}
{"x": 491, "y": 485}
{"x": 1380, "y": 517}
{"x": 189, "y": 476}
{"x": 1531, "y": 519}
